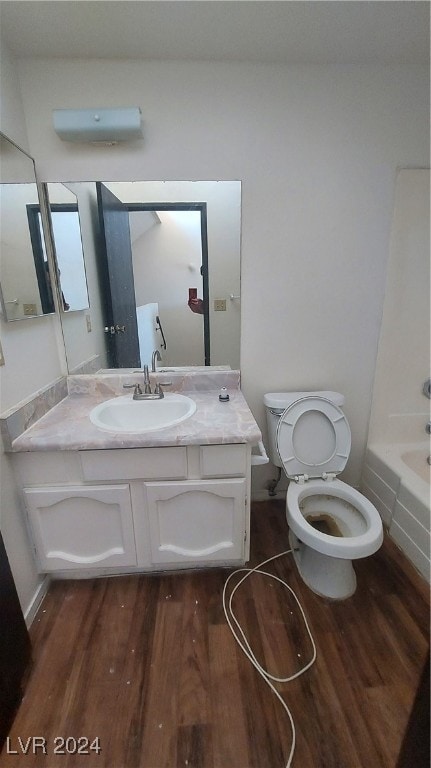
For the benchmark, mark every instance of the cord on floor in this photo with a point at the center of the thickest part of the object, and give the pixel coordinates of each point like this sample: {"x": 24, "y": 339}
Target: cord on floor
{"x": 243, "y": 643}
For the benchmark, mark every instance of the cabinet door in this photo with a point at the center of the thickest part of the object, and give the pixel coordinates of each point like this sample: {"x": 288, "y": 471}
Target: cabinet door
{"x": 195, "y": 522}
{"x": 82, "y": 526}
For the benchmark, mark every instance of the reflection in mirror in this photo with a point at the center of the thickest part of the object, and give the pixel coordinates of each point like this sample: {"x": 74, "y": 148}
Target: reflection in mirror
{"x": 66, "y": 230}
{"x": 25, "y": 283}
{"x": 163, "y": 251}
{"x": 170, "y": 259}
{"x": 167, "y": 266}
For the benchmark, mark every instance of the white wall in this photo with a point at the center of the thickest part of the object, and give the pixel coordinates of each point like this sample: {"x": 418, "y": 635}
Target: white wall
{"x": 19, "y": 378}
{"x": 400, "y": 410}
{"x": 31, "y": 362}
{"x": 18, "y": 271}
{"x": 316, "y": 149}
{"x": 12, "y": 117}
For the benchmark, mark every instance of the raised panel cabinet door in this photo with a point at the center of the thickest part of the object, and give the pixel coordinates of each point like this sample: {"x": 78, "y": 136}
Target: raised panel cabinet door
{"x": 78, "y": 527}
{"x": 197, "y": 521}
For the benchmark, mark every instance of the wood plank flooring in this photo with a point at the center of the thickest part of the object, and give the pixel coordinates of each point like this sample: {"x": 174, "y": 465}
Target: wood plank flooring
{"x": 148, "y": 665}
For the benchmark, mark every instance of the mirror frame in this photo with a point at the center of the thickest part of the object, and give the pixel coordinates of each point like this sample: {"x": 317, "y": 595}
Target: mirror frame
{"x": 46, "y": 234}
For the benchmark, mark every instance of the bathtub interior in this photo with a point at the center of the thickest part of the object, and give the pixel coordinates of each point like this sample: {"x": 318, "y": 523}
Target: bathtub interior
{"x": 417, "y": 461}
{"x": 393, "y": 482}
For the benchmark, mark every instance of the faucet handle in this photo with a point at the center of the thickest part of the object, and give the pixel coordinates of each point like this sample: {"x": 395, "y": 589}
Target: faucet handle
{"x": 158, "y": 388}
{"x": 136, "y": 387}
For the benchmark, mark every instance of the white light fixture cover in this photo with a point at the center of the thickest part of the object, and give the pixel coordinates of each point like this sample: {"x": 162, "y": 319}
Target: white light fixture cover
{"x": 98, "y": 125}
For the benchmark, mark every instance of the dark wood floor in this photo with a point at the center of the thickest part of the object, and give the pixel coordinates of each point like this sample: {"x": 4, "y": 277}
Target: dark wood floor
{"x": 148, "y": 665}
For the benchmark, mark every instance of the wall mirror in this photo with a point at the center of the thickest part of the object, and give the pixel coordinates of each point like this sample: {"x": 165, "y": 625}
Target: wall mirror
{"x": 66, "y": 232}
{"x": 149, "y": 249}
{"x": 67, "y": 249}
{"x": 24, "y": 280}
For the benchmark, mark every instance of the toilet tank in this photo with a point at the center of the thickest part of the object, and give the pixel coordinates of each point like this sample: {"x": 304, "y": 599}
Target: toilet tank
{"x": 277, "y": 402}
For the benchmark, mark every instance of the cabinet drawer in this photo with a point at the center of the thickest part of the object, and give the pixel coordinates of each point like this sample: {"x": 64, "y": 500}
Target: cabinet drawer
{"x": 223, "y": 460}
{"x": 133, "y": 463}
{"x": 48, "y": 467}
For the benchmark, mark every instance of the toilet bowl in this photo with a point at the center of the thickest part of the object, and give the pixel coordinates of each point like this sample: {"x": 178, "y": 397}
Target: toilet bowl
{"x": 330, "y": 523}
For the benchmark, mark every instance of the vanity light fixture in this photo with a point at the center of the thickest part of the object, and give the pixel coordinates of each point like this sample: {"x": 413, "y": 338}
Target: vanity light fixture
{"x": 105, "y": 126}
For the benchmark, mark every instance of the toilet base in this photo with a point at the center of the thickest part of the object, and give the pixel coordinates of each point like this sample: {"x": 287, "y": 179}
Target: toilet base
{"x": 331, "y": 577}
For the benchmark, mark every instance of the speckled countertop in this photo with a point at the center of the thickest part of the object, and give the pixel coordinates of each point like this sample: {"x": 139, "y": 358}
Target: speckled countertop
{"x": 67, "y": 425}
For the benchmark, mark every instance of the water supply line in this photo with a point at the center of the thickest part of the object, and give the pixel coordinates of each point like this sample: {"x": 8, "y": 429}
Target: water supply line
{"x": 272, "y": 484}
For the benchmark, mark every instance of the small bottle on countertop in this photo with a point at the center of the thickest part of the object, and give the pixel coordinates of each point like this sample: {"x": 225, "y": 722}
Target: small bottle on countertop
{"x": 223, "y": 396}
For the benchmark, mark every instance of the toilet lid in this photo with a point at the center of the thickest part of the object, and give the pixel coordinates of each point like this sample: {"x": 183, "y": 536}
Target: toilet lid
{"x": 313, "y": 438}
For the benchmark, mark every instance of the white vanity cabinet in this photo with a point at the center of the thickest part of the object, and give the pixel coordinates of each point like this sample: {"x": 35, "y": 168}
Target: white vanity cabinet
{"x": 140, "y": 509}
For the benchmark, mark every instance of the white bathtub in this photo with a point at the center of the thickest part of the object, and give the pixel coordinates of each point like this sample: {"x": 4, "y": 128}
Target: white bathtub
{"x": 416, "y": 460}
{"x": 396, "y": 479}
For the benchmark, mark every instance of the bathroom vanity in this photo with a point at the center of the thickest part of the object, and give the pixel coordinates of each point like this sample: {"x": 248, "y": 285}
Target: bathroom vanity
{"x": 99, "y": 502}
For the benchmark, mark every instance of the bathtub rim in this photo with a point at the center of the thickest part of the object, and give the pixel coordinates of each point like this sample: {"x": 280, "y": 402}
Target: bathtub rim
{"x": 399, "y": 473}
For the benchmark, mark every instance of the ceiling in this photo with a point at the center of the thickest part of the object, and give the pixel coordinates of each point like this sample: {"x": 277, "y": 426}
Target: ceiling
{"x": 279, "y": 31}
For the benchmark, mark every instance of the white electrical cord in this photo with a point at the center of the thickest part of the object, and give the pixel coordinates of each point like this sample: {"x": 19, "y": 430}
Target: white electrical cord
{"x": 245, "y": 645}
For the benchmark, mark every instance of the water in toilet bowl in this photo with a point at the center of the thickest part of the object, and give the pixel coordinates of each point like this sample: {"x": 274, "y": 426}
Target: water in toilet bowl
{"x": 323, "y": 523}
{"x": 332, "y": 515}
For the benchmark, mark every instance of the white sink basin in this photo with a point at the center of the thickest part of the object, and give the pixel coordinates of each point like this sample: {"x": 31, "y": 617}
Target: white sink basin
{"x": 123, "y": 414}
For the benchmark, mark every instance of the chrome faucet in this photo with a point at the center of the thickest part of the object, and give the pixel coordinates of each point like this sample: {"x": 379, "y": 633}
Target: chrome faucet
{"x": 158, "y": 393}
{"x": 155, "y": 356}
{"x": 147, "y": 385}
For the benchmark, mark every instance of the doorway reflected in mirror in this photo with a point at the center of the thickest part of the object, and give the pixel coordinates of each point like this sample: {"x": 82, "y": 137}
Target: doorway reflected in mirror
{"x": 167, "y": 259}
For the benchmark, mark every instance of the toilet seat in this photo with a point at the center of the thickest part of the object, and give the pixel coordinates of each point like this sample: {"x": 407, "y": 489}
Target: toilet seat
{"x": 345, "y": 547}
{"x": 313, "y": 438}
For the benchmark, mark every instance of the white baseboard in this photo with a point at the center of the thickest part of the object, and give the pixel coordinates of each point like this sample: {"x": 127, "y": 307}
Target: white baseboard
{"x": 36, "y": 601}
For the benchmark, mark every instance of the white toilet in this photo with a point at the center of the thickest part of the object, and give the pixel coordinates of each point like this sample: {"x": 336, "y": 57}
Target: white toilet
{"x": 330, "y": 523}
